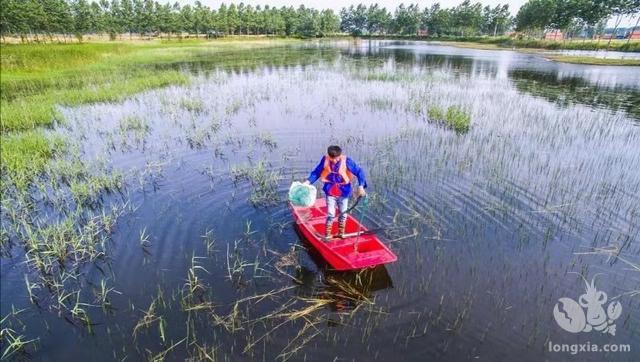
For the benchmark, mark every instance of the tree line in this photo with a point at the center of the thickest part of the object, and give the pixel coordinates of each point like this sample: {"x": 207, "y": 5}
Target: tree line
{"x": 37, "y": 19}
{"x": 54, "y": 18}
{"x": 466, "y": 19}
{"x": 572, "y": 16}
{"x": 49, "y": 18}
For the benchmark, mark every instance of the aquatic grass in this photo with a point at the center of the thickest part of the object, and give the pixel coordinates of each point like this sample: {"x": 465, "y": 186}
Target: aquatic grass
{"x": 205, "y": 353}
{"x": 435, "y": 112}
{"x": 380, "y": 104}
{"x": 193, "y": 283}
{"x": 233, "y": 107}
{"x": 235, "y": 262}
{"x": 57, "y": 250}
{"x": 102, "y": 295}
{"x": 148, "y": 318}
{"x": 15, "y": 343}
{"x": 25, "y": 155}
{"x": 454, "y": 117}
{"x": 613, "y": 252}
{"x": 266, "y": 139}
{"x": 458, "y": 119}
{"x": 209, "y": 241}
{"x": 192, "y": 105}
{"x": 79, "y": 312}
{"x": 198, "y": 137}
{"x": 23, "y": 114}
{"x": 133, "y": 123}
{"x": 383, "y": 76}
{"x": 144, "y": 237}
{"x": 86, "y": 191}
{"x": 67, "y": 170}
{"x": 263, "y": 180}
{"x": 158, "y": 357}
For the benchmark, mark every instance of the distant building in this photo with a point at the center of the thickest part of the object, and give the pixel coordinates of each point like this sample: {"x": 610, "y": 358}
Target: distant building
{"x": 422, "y": 32}
{"x": 553, "y": 35}
{"x": 635, "y": 35}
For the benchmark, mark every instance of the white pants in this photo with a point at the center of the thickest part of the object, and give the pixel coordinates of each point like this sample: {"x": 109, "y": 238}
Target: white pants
{"x": 343, "y": 205}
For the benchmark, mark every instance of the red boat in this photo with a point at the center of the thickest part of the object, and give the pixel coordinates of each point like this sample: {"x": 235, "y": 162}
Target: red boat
{"x": 357, "y": 250}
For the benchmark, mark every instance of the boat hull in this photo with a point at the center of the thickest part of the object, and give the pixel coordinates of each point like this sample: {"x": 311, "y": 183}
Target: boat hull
{"x": 351, "y": 253}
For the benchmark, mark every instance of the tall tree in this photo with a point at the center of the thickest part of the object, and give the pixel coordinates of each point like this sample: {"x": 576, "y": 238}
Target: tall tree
{"x": 535, "y": 15}
{"x": 378, "y": 19}
{"x": 127, "y": 16}
{"x": 329, "y": 22}
{"x": 82, "y": 16}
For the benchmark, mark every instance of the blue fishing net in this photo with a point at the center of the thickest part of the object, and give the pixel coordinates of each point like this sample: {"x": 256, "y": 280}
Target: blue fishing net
{"x": 302, "y": 195}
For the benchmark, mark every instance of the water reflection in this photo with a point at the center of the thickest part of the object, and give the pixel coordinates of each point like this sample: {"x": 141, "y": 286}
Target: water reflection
{"x": 614, "y": 88}
{"x": 566, "y": 91}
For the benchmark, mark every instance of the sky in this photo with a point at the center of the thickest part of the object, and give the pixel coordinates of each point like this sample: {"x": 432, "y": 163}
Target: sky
{"x": 336, "y": 5}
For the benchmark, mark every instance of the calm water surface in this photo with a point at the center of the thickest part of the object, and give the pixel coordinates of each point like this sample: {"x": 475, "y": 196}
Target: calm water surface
{"x": 491, "y": 227}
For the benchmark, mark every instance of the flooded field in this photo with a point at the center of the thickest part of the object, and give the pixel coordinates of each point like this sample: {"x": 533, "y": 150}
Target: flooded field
{"x": 178, "y": 243}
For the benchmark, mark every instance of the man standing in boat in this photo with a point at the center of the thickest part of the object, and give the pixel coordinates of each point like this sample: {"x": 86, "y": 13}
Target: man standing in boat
{"x": 337, "y": 172}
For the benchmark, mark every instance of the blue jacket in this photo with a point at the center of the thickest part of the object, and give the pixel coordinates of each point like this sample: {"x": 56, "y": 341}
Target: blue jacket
{"x": 345, "y": 189}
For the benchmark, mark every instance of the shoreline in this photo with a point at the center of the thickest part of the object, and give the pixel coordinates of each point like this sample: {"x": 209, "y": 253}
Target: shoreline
{"x": 621, "y": 45}
{"x": 539, "y": 47}
{"x": 546, "y": 53}
{"x": 562, "y": 58}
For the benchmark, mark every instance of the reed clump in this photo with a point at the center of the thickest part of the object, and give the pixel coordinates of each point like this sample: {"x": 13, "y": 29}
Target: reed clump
{"x": 454, "y": 117}
{"x": 264, "y": 182}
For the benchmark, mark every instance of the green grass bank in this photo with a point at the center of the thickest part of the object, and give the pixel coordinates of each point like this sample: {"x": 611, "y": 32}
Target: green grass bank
{"x": 36, "y": 78}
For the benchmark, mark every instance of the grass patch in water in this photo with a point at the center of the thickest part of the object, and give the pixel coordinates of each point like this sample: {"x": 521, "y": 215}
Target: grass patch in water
{"x": 264, "y": 182}
{"x": 574, "y": 59}
{"x": 23, "y": 155}
{"x": 454, "y": 117}
{"x": 380, "y": 104}
{"x": 86, "y": 192}
{"x": 133, "y": 123}
{"x": 383, "y": 76}
{"x": 192, "y": 105}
